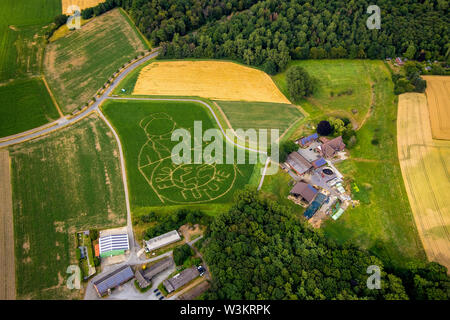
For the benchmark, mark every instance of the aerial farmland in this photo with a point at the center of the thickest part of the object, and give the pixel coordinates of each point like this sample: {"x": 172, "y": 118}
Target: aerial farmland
{"x": 224, "y": 150}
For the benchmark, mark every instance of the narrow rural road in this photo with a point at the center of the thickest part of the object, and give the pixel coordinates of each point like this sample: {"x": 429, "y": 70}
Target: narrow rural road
{"x": 63, "y": 122}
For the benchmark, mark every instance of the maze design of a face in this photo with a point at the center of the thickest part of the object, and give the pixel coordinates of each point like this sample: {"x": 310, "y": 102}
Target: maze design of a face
{"x": 183, "y": 183}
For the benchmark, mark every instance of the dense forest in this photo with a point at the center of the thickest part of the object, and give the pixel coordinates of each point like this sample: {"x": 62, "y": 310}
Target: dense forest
{"x": 270, "y": 33}
{"x": 260, "y": 250}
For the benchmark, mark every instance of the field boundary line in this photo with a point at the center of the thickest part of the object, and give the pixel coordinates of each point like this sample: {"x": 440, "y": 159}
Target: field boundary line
{"x": 197, "y": 101}
{"x": 133, "y": 26}
{"x": 52, "y": 96}
{"x": 124, "y": 178}
{"x": 7, "y": 266}
{"x": 64, "y": 122}
{"x": 31, "y": 131}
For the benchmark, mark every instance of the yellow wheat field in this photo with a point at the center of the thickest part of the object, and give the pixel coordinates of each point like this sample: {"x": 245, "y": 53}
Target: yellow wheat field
{"x": 425, "y": 165}
{"x": 217, "y": 80}
{"x": 7, "y": 266}
{"x": 438, "y": 96}
{"x": 80, "y": 3}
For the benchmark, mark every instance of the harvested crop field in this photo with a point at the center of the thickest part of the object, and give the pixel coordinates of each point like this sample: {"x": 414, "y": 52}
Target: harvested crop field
{"x": 425, "y": 165}
{"x": 79, "y": 64}
{"x": 217, "y": 80}
{"x": 62, "y": 183}
{"x": 7, "y": 278}
{"x": 83, "y": 4}
{"x": 438, "y": 97}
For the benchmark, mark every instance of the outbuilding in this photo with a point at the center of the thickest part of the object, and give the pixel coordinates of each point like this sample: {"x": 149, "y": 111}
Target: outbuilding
{"x": 113, "y": 280}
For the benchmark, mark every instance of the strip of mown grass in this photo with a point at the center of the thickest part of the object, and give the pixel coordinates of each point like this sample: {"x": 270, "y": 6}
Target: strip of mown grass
{"x": 153, "y": 179}
{"x": 79, "y": 64}
{"x": 25, "y": 104}
{"x": 383, "y": 222}
{"x": 62, "y": 183}
{"x": 260, "y": 115}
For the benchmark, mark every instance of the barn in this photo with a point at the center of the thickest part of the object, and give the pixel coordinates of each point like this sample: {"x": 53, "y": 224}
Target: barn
{"x": 113, "y": 245}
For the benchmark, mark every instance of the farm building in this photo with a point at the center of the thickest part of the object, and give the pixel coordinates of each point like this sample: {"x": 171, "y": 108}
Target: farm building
{"x": 113, "y": 245}
{"x": 298, "y": 163}
{"x": 315, "y": 205}
{"x": 318, "y": 163}
{"x": 162, "y": 240}
{"x": 306, "y": 141}
{"x": 144, "y": 277}
{"x": 180, "y": 279}
{"x": 399, "y": 61}
{"x": 329, "y": 148}
{"x": 113, "y": 280}
{"x": 304, "y": 190}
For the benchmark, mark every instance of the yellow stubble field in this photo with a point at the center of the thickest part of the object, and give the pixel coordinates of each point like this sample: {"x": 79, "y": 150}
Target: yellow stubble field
{"x": 83, "y": 4}
{"x": 438, "y": 97}
{"x": 7, "y": 266}
{"x": 425, "y": 165}
{"x": 216, "y": 80}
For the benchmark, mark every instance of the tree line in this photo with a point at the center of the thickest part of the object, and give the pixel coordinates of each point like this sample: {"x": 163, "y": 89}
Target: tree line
{"x": 271, "y": 33}
{"x": 259, "y": 249}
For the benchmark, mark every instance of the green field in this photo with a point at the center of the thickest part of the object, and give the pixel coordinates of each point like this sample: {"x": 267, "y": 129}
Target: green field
{"x": 62, "y": 183}
{"x": 29, "y": 106}
{"x": 383, "y": 222}
{"x": 260, "y": 115}
{"x": 21, "y": 35}
{"x": 79, "y": 64}
{"x": 145, "y": 130}
{"x": 335, "y": 77}
{"x": 24, "y": 104}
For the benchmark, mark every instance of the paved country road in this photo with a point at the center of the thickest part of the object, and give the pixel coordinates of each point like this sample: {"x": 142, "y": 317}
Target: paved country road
{"x": 63, "y": 122}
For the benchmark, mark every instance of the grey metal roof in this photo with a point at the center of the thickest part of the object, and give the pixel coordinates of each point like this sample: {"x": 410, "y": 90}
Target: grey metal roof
{"x": 143, "y": 283}
{"x": 114, "y": 279}
{"x": 181, "y": 279}
{"x": 158, "y": 267}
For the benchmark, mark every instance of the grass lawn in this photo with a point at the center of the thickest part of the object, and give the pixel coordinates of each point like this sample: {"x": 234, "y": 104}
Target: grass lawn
{"x": 336, "y": 77}
{"x": 383, "y": 223}
{"x": 79, "y": 64}
{"x": 62, "y": 183}
{"x": 260, "y": 115}
{"x": 26, "y": 104}
{"x": 154, "y": 180}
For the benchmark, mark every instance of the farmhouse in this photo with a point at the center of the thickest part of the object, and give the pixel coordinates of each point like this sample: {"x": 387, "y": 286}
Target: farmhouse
{"x": 162, "y": 240}
{"x": 144, "y": 277}
{"x": 113, "y": 280}
{"x": 304, "y": 191}
{"x": 180, "y": 279}
{"x": 331, "y": 147}
{"x": 113, "y": 245}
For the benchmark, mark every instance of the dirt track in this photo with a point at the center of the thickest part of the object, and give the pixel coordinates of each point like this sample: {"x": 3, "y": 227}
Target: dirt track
{"x": 425, "y": 165}
{"x": 7, "y": 270}
{"x": 438, "y": 96}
